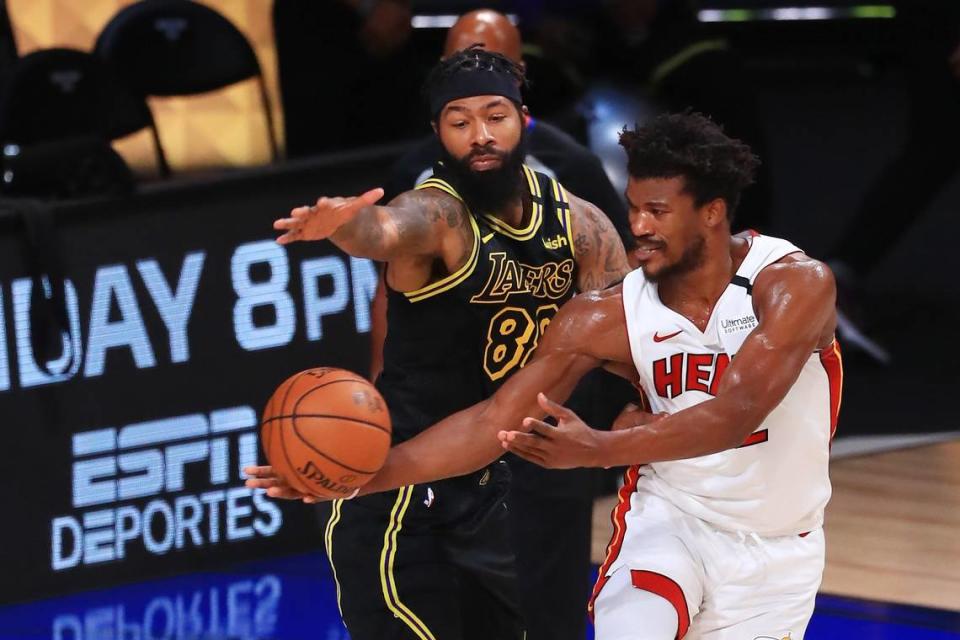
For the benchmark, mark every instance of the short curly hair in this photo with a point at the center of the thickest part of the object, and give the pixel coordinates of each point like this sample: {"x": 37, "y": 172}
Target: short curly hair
{"x": 692, "y": 146}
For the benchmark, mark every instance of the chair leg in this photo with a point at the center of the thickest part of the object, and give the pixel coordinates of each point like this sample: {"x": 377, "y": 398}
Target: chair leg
{"x": 161, "y": 155}
{"x": 268, "y": 114}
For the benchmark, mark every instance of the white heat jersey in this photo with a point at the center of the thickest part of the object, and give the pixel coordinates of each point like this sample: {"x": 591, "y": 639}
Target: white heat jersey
{"x": 776, "y": 482}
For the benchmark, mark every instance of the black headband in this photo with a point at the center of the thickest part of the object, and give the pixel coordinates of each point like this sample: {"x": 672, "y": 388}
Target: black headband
{"x": 467, "y": 83}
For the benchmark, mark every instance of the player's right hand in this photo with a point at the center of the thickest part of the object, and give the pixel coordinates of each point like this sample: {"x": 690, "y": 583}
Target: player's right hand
{"x": 322, "y": 220}
{"x": 263, "y": 477}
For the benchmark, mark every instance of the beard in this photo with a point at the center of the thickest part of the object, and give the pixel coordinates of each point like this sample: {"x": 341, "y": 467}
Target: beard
{"x": 491, "y": 190}
{"x": 692, "y": 258}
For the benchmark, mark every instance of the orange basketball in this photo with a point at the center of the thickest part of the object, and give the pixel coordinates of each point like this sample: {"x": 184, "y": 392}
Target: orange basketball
{"x": 326, "y": 431}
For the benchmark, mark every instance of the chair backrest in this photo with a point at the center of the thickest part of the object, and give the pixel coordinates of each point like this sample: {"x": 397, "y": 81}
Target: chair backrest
{"x": 53, "y": 94}
{"x": 175, "y": 47}
{"x": 179, "y": 47}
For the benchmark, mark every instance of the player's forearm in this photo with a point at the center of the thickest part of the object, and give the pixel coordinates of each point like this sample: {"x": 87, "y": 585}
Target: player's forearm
{"x": 704, "y": 429}
{"x": 369, "y": 234}
{"x": 467, "y": 441}
{"x": 455, "y": 446}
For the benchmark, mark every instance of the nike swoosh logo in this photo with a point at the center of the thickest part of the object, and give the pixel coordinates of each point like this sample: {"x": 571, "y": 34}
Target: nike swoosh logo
{"x": 657, "y": 338}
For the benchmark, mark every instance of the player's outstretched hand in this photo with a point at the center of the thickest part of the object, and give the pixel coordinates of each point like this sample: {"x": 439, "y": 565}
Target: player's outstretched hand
{"x": 263, "y": 477}
{"x": 568, "y": 445}
{"x": 324, "y": 218}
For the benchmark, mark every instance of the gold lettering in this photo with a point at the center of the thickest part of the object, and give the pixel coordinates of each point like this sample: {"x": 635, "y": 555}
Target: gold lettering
{"x": 508, "y": 277}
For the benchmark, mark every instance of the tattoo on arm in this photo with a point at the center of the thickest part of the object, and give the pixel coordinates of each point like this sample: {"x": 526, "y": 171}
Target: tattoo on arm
{"x": 601, "y": 259}
{"x": 363, "y": 232}
{"x": 444, "y": 209}
{"x": 412, "y": 223}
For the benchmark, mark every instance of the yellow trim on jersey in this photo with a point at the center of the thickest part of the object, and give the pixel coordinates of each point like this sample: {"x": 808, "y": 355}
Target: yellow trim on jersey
{"x": 556, "y": 197}
{"x": 563, "y": 213}
{"x": 454, "y": 278}
{"x": 567, "y": 216}
{"x": 437, "y": 183}
{"x": 387, "y": 556}
{"x": 536, "y": 215}
{"x": 532, "y": 181}
{"x": 556, "y": 191}
{"x": 328, "y": 543}
{"x": 463, "y": 272}
{"x": 487, "y": 237}
{"x": 569, "y": 227}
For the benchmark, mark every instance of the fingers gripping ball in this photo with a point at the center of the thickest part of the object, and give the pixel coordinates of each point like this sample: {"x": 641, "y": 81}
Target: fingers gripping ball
{"x": 326, "y": 431}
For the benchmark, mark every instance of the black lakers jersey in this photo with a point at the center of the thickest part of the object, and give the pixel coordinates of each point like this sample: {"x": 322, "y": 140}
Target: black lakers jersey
{"x": 451, "y": 343}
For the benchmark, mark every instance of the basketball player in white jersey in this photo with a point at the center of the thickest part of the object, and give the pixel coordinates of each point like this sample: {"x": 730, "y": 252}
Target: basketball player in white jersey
{"x": 718, "y": 533}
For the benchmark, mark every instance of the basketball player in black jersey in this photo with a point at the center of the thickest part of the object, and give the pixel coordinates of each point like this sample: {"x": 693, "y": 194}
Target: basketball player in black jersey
{"x": 479, "y": 258}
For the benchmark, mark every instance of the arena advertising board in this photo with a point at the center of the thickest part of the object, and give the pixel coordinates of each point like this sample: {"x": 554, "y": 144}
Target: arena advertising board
{"x": 125, "y": 440}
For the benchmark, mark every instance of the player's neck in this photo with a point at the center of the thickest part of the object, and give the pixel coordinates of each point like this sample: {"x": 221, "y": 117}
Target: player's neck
{"x": 701, "y": 287}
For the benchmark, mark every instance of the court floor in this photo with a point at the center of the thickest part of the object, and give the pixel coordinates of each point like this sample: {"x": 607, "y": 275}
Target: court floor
{"x": 294, "y": 598}
{"x": 893, "y": 572}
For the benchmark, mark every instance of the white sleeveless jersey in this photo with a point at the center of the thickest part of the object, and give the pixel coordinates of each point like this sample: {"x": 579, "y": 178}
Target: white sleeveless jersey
{"x": 776, "y": 482}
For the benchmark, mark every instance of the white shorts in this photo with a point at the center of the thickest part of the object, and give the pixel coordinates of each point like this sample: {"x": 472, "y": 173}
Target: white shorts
{"x": 723, "y": 585}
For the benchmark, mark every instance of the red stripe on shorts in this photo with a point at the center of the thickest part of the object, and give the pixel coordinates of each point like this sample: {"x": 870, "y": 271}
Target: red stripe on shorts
{"x": 664, "y": 587}
{"x": 619, "y": 519}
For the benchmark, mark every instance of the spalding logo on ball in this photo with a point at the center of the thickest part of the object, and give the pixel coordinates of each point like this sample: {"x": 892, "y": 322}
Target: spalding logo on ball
{"x": 326, "y": 431}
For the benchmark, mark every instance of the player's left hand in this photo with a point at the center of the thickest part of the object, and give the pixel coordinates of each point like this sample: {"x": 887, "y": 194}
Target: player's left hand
{"x": 568, "y": 445}
{"x": 323, "y": 219}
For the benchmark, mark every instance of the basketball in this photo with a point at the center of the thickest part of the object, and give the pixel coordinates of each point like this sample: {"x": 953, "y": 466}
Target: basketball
{"x": 326, "y": 431}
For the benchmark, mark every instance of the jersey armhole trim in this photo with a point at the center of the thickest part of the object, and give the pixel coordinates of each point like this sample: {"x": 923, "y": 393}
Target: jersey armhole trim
{"x": 564, "y": 213}
{"x": 442, "y": 185}
{"x": 536, "y": 216}
{"x": 455, "y": 278}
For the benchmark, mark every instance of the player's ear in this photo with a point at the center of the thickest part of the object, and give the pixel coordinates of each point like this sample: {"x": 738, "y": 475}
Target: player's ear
{"x": 525, "y": 111}
{"x": 715, "y": 213}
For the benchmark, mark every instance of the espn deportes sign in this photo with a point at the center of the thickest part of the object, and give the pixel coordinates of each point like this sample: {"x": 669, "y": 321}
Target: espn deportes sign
{"x": 149, "y": 460}
{"x": 129, "y": 414}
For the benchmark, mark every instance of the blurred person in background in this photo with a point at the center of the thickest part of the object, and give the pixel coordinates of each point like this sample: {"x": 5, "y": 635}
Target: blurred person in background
{"x": 929, "y": 41}
{"x": 336, "y": 61}
{"x": 660, "y": 45}
{"x": 550, "y": 511}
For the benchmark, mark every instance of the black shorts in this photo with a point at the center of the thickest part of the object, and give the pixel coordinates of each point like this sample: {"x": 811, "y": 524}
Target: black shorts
{"x": 427, "y": 562}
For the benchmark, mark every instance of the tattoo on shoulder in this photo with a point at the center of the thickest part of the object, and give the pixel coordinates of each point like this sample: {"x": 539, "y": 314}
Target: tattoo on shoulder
{"x": 429, "y": 211}
{"x": 435, "y": 207}
{"x": 601, "y": 258}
